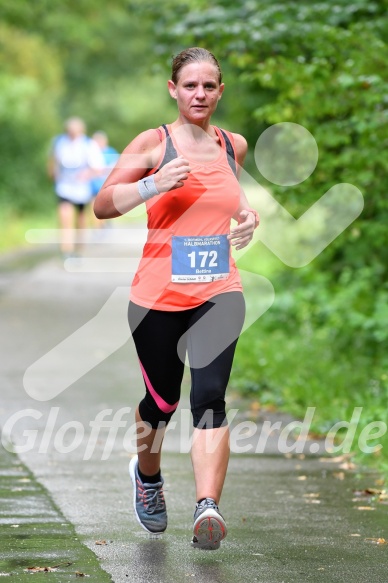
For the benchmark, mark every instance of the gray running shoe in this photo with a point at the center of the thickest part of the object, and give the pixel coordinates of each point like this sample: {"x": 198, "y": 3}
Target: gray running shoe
{"x": 148, "y": 501}
{"x": 209, "y": 526}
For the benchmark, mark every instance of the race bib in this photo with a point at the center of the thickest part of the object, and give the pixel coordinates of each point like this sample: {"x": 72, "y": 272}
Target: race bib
{"x": 200, "y": 259}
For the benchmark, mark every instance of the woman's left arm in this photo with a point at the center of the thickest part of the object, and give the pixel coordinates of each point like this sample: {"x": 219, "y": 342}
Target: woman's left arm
{"x": 247, "y": 218}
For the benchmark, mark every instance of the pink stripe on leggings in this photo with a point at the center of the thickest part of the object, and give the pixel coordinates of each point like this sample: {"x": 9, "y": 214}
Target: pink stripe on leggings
{"x": 161, "y": 403}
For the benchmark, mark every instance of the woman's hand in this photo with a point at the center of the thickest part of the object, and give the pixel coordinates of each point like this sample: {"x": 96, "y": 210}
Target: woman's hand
{"x": 242, "y": 234}
{"x": 172, "y": 175}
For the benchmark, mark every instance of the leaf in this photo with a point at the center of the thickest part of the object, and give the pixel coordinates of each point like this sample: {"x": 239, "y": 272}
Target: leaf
{"x": 373, "y": 491}
{"x": 336, "y": 459}
{"x": 255, "y": 406}
{"x": 339, "y": 475}
{"x": 39, "y": 569}
{"x": 369, "y": 493}
{"x": 347, "y": 466}
{"x": 378, "y": 541}
{"x": 46, "y": 569}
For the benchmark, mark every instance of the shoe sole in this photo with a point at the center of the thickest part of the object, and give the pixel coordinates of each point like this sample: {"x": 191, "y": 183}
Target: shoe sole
{"x": 209, "y": 530}
{"x": 132, "y": 466}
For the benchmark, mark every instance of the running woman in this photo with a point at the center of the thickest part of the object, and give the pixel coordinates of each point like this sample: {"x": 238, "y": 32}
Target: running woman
{"x": 186, "y": 296}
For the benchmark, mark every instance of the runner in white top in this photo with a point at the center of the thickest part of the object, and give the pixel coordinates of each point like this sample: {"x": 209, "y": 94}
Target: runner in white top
{"x": 75, "y": 159}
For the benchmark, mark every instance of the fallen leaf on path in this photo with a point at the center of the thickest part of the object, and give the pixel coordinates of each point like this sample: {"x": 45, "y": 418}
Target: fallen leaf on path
{"x": 100, "y": 542}
{"x": 314, "y": 435}
{"x": 39, "y": 569}
{"x": 378, "y": 541}
{"x": 46, "y": 569}
{"x": 368, "y": 492}
{"x": 271, "y": 408}
{"x": 347, "y": 466}
{"x": 339, "y": 475}
{"x": 337, "y": 459}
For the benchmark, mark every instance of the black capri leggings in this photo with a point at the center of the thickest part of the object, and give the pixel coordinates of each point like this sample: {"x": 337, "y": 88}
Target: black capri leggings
{"x": 209, "y": 334}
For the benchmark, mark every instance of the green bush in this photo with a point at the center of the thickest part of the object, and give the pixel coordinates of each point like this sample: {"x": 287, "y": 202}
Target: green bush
{"x": 320, "y": 345}
{"x": 30, "y": 85}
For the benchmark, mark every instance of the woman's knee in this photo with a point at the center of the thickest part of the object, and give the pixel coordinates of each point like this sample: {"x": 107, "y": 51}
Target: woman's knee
{"x": 208, "y": 408}
{"x": 211, "y": 418}
{"x": 156, "y": 416}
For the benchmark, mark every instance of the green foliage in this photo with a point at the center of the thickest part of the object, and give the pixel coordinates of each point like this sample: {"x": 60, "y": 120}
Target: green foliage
{"x": 317, "y": 347}
{"x": 30, "y": 86}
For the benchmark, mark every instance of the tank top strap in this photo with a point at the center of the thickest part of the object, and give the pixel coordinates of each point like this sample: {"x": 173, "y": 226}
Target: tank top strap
{"x": 230, "y": 152}
{"x": 170, "y": 152}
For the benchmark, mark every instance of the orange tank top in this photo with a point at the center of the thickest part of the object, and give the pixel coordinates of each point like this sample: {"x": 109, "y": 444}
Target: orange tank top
{"x": 192, "y": 216}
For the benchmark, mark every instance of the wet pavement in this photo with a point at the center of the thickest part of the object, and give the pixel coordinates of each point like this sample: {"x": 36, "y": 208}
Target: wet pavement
{"x": 35, "y": 536}
{"x": 291, "y": 517}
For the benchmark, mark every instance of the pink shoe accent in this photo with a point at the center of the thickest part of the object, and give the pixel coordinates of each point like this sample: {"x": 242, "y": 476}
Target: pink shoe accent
{"x": 161, "y": 403}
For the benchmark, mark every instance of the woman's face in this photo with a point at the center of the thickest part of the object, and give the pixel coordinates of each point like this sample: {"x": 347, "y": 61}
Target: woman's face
{"x": 197, "y": 91}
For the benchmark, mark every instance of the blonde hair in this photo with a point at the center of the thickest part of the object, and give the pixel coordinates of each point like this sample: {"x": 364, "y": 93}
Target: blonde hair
{"x": 193, "y": 55}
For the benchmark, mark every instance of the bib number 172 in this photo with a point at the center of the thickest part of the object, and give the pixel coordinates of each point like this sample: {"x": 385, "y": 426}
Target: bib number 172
{"x": 203, "y": 259}
{"x": 199, "y": 259}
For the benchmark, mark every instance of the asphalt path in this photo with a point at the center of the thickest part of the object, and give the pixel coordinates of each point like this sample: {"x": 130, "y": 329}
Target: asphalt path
{"x": 69, "y": 386}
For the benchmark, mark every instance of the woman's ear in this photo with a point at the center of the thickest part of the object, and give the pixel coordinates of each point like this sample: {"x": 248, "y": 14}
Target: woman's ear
{"x": 171, "y": 88}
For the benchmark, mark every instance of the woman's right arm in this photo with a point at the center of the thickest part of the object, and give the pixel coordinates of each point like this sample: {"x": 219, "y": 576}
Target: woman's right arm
{"x": 119, "y": 193}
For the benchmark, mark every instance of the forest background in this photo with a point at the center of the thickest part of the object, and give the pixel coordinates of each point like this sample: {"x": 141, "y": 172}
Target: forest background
{"x": 322, "y": 65}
